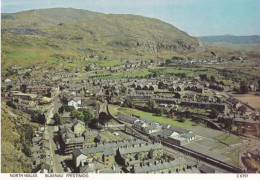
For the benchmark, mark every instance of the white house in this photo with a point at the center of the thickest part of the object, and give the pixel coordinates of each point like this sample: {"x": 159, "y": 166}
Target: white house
{"x": 74, "y": 103}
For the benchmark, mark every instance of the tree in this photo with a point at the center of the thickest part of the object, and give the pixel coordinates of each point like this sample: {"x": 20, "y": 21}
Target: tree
{"x": 222, "y": 83}
{"x": 66, "y": 108}
{"x": 151, "y": 104}
{"x": 88, "y": 68}
{"x": 229, "y": 124}
{"x": 88, "y": 115}
{"x": 156, "y": 74}
{"x": 203, "y": 77}
{"x": 213, "y": 114}
{"x": 181, "y": 119}
{"x": 187, "y": 113}
{"x": 27, "y": 149}
{"x": 38, "y": 117}
{"x": 123, "y": 90}
{"x": 103, "y": 118}
{"x": 26, "y": 133}
{"x": 243, "y": 88}
{"x": 128, "y": 103}
{"x": 167, "y": 62}
{"x": 258, "y": 82}
{"x": 11, "y": 104}
{"x": 161, "y": 85}
{"x": 160, "y": 111}
{"x": 212, "y": 78}
{"x": 57, "y": 119}
{"x": 77, "y": 115}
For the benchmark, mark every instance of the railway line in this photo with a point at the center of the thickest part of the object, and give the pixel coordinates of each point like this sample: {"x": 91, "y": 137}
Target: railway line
{"x": 202, "y": 157}
{"x": 189, "y": 152}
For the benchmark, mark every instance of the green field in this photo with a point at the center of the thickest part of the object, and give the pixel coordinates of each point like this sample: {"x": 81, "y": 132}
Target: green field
{"x": 187, "y": 124}
{"x": 233, "y": 155}
{"x": 228, "y": 139}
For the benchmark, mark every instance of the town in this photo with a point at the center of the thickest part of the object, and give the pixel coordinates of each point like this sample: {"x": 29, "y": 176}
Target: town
{"x": 154, "y": 123}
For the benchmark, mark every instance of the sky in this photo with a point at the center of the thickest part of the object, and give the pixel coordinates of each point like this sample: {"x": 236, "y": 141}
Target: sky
{"x": 196, "y": 17}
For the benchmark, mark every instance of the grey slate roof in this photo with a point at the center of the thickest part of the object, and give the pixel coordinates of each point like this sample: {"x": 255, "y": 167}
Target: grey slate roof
{"x": 103, "y": 147}
{"x": 147, "y": 119}
{"x": 179, "y": 130}
{"x": 160, "y": 166}
{"x": 140, "y": 149}
{"x": 188, "y": 135}
{"x": 112, "y": 170}
{"x": 109, "y": 152}
{"x": 127, "y": 118}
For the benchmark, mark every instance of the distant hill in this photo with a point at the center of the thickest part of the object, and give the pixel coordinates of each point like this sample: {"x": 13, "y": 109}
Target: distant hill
{"x": 231, "y": 39}
{"x": 245, "y": 47}
{"x": 56, "y": 34}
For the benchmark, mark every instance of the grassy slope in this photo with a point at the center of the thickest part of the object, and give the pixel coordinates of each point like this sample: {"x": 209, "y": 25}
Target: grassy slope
{"x": 13, "y": 160}
{"x": 38, "y": 36}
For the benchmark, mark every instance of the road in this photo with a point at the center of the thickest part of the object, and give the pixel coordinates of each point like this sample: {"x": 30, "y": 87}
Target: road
{"x": 50, "y": 129}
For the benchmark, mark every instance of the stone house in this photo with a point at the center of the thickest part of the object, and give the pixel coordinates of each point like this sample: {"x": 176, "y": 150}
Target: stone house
{"x": 147, "y": 151}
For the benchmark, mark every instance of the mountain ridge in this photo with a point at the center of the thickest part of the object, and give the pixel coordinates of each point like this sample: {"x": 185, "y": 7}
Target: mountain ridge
{"x": 252, "y": 39}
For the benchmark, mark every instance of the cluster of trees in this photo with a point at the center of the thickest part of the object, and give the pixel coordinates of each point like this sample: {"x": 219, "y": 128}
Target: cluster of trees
{"x": 27, "y": 149}
{"x": 128, "y": 103}
{"x": 103, "y": 118}
{"x": 26, "y": 134}
{"x": 11, "y": 104}
{"x": 83, "y": 114}
{"x": 227, "y": 123}
{"x": 181, "y": 75}
{"x": 213, "y": 114}
{"x": 153, "y": 107}
{"x": 243, "y": 88}
{"x": 66, "y": 108}
{"x": 161, "y": 85}
{"x": 212, "y": 78}
{"x": 57, "y": 119}
{"x": 38, "y": 116}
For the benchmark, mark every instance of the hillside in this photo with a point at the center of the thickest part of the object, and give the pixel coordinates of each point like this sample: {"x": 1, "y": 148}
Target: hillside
{"x": 54, "y": 35}
{"x": 15, "y": 130}
{"x": 231, "y": 39}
